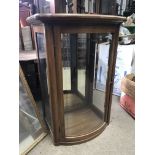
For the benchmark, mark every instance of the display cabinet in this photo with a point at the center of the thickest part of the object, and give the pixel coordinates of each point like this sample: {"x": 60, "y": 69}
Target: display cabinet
{"x": 75, "y": 110}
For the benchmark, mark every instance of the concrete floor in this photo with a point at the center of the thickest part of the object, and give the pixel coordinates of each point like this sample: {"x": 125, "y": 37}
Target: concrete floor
{"x": 117, "y": 139}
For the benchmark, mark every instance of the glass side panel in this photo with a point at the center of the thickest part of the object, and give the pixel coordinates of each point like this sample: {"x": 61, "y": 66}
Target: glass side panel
{"x": 43, "y": 74}
{"x": 84, "y": 101}
{"x": 29, "y": 125}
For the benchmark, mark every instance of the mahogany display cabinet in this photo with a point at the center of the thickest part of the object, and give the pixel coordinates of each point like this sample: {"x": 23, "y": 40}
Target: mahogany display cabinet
{"x": 77, "y": 104}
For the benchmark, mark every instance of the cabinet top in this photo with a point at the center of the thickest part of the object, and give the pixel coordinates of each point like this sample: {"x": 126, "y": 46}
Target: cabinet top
{"x": 79, "y": 19}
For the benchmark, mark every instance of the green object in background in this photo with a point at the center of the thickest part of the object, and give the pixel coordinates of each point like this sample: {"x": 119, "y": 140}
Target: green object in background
{"x": 131, "y": 29}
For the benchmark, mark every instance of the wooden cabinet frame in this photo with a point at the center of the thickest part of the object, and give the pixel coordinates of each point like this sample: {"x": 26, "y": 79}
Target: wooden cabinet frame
{"x": 52, "y": 26}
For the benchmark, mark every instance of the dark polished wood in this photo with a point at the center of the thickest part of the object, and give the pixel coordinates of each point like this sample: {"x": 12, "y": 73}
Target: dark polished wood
{"x": 111, "y": 72}
{"x": 52, "y": 84}
{"x": 53, "y": 26}
{"x": 80, "y": 19}
{"x": 58, "y": 61}
{"x": 73, "y": 62}
{"x": 84, "y": 138}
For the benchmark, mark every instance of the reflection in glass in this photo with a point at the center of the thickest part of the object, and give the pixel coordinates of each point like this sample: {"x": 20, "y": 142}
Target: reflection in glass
{"x": 29, "y": 125}
{"x": 102, "y": 56}
{"x": 43, "y": 78}
{"x": 81, "y": 62}
{"x": 85, "y": 97}
{"x": 66, "y": 63}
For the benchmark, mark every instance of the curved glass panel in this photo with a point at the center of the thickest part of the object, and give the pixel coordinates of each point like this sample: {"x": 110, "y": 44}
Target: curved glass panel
{"x": 84, "y": 81}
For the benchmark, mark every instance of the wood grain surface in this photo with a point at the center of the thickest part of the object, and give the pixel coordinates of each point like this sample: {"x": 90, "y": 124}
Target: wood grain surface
{"x": 60, "y": 18}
